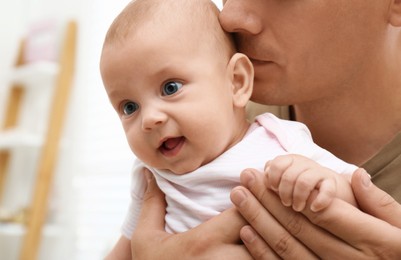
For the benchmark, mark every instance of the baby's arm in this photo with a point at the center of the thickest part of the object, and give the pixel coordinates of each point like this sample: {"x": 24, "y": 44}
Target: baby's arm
{"x": 296, "y": 179}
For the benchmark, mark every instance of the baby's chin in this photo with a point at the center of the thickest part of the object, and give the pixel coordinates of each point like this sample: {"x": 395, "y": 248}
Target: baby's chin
{"x": 183, "y": 168}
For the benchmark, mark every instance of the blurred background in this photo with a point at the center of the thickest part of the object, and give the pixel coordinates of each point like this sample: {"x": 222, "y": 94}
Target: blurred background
{"x": 89, "y": 184}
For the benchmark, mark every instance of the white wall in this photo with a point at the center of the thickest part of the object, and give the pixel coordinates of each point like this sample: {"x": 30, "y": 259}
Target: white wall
{"x": 91, "y": 190}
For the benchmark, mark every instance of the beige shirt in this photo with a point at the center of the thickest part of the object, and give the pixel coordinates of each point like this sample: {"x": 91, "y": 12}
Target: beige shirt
{"x": 384, "y": 167}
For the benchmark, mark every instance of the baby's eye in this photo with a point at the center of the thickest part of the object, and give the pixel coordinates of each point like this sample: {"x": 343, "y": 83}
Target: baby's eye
{"x": 171, "y": 87}
{"x": 129, "y": 108}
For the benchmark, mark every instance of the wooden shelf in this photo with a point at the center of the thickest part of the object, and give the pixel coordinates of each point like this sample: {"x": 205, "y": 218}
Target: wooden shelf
{"x": 16, "y": 138}
{"x": 35, "y": 75}
{"x": 16, "y": 229}
{"x": 39, "y": 77}
{"x": 11, "y": 229}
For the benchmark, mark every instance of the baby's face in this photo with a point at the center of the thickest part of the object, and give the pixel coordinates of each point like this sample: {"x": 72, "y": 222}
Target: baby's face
{"x": 174, "y": 98}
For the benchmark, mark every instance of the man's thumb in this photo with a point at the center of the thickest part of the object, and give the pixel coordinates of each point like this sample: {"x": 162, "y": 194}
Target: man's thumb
{"x": 154, "y": 205}
{"x": 373, "y": 200}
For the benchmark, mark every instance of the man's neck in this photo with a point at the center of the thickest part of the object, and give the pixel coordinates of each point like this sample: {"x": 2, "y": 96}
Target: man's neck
{"x": 356, "y": 127}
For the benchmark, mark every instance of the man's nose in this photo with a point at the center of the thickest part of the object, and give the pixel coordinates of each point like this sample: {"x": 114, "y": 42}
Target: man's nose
{"x": 237, "y": 17}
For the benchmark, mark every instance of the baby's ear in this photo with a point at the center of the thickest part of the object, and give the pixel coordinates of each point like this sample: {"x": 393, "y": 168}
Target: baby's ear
{"x": 241, "y": 70}
{"x": 394, "y": 15}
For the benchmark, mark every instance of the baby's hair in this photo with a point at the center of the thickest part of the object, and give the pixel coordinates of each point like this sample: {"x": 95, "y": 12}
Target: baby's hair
{"x": 202, "y": 13}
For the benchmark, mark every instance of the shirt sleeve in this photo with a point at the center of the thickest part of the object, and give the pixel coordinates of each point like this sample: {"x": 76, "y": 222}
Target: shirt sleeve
{"x": 296, "y": 138}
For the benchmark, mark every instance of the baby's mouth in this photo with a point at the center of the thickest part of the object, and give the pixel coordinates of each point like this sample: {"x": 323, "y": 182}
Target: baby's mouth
{"x": 171, "y": 146}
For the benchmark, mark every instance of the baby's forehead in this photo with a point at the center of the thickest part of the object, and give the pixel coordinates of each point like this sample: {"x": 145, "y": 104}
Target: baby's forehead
{"x": 164, "y": 12}
{"x": 192, "y": 22}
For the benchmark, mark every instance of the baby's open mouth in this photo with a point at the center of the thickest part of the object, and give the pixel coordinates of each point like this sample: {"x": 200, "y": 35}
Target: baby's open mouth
{"x": 172, "y": 146}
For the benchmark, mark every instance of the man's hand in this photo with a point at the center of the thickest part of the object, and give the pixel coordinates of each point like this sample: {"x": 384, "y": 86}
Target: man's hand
{"x": 217, "y": 238}
{"x": 375, "y": 201}
{"x": 340, "y": 231}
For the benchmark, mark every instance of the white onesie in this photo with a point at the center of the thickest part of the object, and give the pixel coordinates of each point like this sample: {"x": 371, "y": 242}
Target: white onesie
{"x": 197, "y": 196}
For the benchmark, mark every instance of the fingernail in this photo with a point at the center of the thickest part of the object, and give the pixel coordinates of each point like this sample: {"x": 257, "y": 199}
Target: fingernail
{"x": 148, "y": 175}
{"x": 248, "y": 178}
{"x": 267, "y": 166}
{"x": 247, "y": 235}
{"x": 238, "y": 197}
{"x": 267, "y": 172}
{"x": 366, "y": 181}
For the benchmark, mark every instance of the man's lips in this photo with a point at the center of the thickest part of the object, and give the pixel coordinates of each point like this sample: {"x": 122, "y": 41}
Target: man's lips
{"x": 172, "y": 146}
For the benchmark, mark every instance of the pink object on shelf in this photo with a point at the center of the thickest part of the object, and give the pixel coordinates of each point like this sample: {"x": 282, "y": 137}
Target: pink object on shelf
{"x": 41, "y": 41}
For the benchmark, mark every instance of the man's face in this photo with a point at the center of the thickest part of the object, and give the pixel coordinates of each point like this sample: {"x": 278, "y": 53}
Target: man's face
{"x": 306, "y": 50}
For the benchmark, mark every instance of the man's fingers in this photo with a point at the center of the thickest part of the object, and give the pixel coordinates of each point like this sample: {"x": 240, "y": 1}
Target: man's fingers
{"x": 282, "y": 228}
{"x": 330, "y": 233}
{"x": 362, "y": 232}
{"x": 219, "y": 237}
{"x": 215, "y": 239}
{"x": 373, "y": 200}
{"x": 275, "y": 235}
{"x": 229, "y": 233}
{"x": 224, "y": 227}
{"x": 150, "y": 226}
{"x": 256, "y": 245}
{"x": 154, "y": 206}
